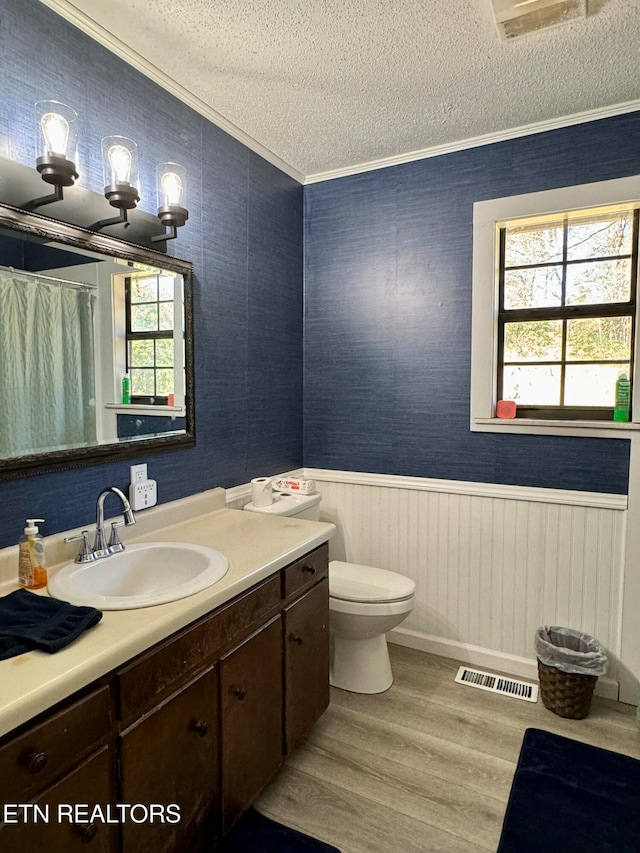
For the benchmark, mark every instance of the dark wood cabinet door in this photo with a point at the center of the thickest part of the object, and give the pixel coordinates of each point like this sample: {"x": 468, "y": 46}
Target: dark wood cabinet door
{"x": 51, "y": 827}
{"x": 306, "y": 663}
{"x": 170, "y": 756}
{"x": 251, "y": 707}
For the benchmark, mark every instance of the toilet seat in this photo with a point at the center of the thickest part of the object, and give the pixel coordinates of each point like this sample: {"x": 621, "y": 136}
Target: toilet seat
{"x": 367, "y": 585}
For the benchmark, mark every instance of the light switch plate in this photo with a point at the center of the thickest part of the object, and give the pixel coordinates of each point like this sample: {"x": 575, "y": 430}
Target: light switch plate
{"x": 143, "y": 495}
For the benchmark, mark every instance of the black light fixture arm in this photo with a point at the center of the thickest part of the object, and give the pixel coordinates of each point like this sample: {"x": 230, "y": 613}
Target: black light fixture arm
{"x": 171, "y": 234}
{"x": 172, "y": 216}
{"x": 58, "y": 171}
{"x": 45, "y": 199}
{"x": 114, "y": 220}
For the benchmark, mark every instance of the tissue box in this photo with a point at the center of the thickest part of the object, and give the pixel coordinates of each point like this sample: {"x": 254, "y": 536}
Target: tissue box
{"x": 294, "y": 485}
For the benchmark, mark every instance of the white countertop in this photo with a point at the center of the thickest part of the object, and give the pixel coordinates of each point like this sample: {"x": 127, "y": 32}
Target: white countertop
{"x": 256, "y": 546}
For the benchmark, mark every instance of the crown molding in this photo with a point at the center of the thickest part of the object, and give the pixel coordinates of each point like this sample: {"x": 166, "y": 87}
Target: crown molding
{"x": 476, "y": 141}
{"x": 106, "y": 39}
{"x": 102, "y": 36}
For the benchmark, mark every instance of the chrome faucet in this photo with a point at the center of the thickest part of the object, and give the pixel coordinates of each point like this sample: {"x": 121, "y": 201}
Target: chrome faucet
{"x": 102, "y": 548}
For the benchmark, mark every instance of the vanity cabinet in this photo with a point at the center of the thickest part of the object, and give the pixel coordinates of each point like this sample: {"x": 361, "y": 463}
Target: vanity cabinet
{"x": 90, "y": 783}
{"x": 306, "y": 662}
{"x": 202, "y": 720}
{"x": 63, "y": 759}
{"x": 251, "y": 709}
{"x": 170, "y": 755}
{"x": 44, "y": 751}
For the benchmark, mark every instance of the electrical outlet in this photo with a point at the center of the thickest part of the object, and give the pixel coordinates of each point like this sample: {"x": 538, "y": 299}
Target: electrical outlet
{"x": 143, "y": 495}
{"x": 138, "y": 473}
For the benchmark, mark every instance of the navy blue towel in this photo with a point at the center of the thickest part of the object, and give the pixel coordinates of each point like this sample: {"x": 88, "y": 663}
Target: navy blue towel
{"x": 29, "y": 621}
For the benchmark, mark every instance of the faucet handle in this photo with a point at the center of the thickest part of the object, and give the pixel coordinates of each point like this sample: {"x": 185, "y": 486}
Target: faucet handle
{"x": 86, "y": 554}
{"x": 115, "y": 543}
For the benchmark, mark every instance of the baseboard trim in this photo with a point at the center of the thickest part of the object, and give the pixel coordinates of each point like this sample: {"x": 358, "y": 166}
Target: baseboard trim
{"x": 478, "y": 656}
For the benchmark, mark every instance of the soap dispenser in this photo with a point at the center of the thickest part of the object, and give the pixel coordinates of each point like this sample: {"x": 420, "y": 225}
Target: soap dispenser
{"x": 32, "y": 572}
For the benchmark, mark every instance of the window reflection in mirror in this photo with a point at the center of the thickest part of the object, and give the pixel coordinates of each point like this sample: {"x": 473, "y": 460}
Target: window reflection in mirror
{"x": 73, "y": 321}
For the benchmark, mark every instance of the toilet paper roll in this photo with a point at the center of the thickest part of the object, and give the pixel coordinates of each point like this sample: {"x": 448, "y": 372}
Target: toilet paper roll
{"x": 261, "y": 493}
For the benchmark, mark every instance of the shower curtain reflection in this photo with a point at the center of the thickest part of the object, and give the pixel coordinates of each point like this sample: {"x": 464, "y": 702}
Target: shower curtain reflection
{"x": 47, "y": 365}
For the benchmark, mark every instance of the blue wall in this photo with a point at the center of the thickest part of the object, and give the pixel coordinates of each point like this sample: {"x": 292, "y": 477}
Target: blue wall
{"x": 244, "y": 236}
{"x": 388, "y": 262}
{"x": 387, "y": 290}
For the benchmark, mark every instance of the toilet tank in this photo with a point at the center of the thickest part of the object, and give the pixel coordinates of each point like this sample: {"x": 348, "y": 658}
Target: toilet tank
{"x": 294, "y": 506}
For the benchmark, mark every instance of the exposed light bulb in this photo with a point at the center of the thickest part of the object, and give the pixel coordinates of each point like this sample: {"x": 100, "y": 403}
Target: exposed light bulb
{"x": 171, "y": 188}
{"x": 55, "y": 129}
{"x": 120, "y": 163}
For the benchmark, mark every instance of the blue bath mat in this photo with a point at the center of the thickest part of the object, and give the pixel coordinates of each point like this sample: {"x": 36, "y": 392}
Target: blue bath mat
{"x": 255, "y": 833}
{"x": 572, "y": 798}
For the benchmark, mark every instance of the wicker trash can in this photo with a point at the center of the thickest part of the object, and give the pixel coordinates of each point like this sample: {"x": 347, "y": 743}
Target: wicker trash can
{"x": 569, "y": 663}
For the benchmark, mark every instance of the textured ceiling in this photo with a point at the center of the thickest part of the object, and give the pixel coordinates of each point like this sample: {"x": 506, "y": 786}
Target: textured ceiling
{"x": 336, "y": 83}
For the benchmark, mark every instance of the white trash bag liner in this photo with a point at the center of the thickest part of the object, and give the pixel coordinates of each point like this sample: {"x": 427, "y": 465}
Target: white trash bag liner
{"x": 570, "y": 651}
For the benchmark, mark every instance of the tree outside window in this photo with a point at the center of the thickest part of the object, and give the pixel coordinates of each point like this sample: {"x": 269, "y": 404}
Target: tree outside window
{"x": 150, "y": 337}
{"x": 566, "y": 319}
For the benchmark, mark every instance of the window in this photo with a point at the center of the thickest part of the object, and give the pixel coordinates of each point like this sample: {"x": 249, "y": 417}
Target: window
{"x": 566, "y": 314}
{"x": 554, "y": 309}
{"x": 150, "y": 348}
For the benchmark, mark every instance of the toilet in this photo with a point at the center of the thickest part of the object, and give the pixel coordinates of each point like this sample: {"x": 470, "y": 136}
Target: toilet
{"x": 364, "y": 603}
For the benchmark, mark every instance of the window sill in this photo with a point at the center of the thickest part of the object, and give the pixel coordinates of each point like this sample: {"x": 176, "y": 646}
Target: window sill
{"x": 530, "y": 426}
{"x": 144, "y": 409}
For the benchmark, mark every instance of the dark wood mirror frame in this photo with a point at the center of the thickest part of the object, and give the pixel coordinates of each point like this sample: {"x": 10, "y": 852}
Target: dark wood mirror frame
{"x": 73, "y": 235}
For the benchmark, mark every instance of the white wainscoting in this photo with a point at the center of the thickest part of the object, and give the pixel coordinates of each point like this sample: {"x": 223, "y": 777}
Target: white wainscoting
{"x": 491, "y": 563}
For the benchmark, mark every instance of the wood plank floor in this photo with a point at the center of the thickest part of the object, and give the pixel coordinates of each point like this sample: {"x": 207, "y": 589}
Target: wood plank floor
{"x": 425, "y": 767}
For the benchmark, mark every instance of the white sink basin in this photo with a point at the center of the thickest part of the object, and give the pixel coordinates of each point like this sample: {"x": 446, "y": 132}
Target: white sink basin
{"x": 141, "y": 576}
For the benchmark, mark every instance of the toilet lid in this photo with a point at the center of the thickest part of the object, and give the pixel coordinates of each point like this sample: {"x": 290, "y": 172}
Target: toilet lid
{"x": 351, "y": 582}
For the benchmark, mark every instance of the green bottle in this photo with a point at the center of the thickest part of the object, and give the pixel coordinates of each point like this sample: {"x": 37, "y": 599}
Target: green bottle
{"x": 126, "y": 389}
{"x": 623, "y": 398}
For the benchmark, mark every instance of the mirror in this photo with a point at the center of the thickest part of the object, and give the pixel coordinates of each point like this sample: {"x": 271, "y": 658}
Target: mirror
{"x": 96, "y": 347}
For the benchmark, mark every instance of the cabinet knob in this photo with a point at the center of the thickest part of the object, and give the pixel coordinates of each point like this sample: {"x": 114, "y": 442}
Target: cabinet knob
{"x": 309, "y": 569}
{"x": 200, "y": 727}
{"x": 239, "y": 692}
{"x": 88, "y": 832}
{"x": 36, "y": 761}
{"x": 295, "y": 638}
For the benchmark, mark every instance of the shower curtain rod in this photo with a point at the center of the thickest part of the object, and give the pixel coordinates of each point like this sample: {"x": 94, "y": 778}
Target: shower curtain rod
{"x": 79, "y": 285}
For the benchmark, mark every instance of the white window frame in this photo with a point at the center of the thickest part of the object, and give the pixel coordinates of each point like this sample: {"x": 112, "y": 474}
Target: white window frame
{"x": 118, "y": 332}
{"x": 487, "y": 217}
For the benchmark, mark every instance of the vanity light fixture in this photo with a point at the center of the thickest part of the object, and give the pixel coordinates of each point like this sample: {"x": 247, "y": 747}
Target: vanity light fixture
{"x": 172, "y": 199}
{"x": 56, "y": 149}
{"x": 120, "y": 169}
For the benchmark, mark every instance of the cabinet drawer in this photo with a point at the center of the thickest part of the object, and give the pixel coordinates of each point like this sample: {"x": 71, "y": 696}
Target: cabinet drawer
{"x": 155, "y": 673}
{"x": 31, "y": 761}
{"x": 306, "y": 571}
{"x": 87, "y": 786}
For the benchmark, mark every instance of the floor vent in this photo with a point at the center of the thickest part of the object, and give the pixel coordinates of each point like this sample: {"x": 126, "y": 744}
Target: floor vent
{"x": 498, "y": 684}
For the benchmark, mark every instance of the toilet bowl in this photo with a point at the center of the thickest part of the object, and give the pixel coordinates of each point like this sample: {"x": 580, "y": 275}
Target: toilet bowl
{"x": 364, "y": 604}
